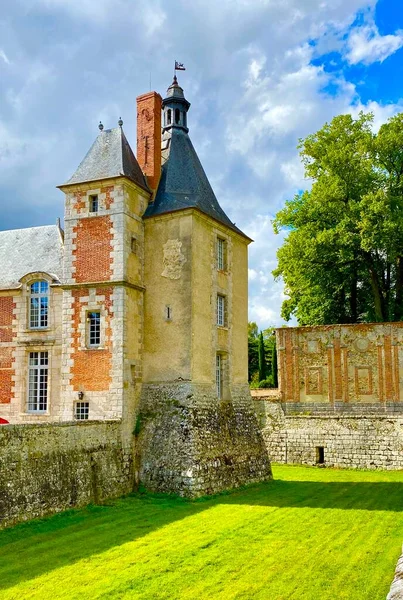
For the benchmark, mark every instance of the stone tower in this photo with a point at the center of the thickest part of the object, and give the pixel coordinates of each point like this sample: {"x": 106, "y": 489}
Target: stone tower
{"x": 197, "y": 430}
{"x": 103, "y": 284}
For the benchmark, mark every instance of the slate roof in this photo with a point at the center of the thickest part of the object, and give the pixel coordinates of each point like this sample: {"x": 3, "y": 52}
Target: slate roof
{"x": 24, "y": 251}
{"x": 109, "y": 156}
{"x": 184, "y": 183}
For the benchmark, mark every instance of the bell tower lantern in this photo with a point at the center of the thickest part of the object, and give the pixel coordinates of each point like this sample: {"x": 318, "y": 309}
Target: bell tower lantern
{"x": 175, "y": 108}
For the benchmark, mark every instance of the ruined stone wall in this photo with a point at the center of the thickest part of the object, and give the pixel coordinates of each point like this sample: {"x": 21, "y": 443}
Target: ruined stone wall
{"x": 48, "y": 468}
{"x": 358, "y": 439}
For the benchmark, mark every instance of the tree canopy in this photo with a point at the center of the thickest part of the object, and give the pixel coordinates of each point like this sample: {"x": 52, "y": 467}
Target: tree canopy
{"x": 342, "y": 261}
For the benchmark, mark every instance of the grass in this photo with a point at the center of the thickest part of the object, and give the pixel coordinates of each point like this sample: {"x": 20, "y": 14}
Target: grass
{"x": 311, "y": 534}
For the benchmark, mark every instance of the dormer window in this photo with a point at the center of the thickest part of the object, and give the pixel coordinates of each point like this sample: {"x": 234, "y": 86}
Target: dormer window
{"x": 39, "y": 305}
{"x": 94, "y": 203}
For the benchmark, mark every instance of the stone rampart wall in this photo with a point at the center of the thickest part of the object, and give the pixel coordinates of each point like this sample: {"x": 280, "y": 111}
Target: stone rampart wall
{"x": 354, "y": 440}
{"x": 48, "y": 468}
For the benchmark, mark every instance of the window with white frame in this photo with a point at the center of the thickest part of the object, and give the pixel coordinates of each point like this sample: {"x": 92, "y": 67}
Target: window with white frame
{"x": 220, "y": 310}
{"x": 38, "y": 382}
{"x": 218, "y": 375}
{"x": 39, "y": 305}
{"x": 82, "y": 411}
{"x": 94, "y": 329}
{"x": 94, "y": 204}
{"x": 220, "y": 254}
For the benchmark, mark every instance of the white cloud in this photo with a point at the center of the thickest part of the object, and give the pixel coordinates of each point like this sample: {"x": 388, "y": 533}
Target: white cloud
{"x": 4, "y": 56}
{"x": 365, "y": 45}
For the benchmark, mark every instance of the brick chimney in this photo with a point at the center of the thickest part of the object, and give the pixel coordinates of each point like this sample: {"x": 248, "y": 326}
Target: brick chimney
{"x": 149, "y": 136}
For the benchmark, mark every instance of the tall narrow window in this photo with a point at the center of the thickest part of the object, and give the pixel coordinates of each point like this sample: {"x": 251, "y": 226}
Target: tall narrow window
{"x": 38, "y": 382}
{"x": 39, "y": 305}
{"x": 218, "y": 375}
{"x": 94, "y": 329}
{"x": 220, "y": 310}
{"x": 220, "y": 254}
{"x": 94, "y": 204}
{"x": 177, "y": 116}
{"x": 169, "y": 116}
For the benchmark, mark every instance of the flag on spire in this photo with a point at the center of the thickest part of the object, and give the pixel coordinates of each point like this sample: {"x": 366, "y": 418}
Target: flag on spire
{"x": 179, "y": 66}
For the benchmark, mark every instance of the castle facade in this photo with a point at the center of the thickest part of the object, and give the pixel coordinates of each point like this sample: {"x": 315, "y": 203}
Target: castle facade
{"x": 137, "y": 311}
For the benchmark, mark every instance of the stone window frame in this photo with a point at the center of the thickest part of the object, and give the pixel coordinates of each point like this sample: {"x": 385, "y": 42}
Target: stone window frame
{"x": 30, "y": 348}
{"x": 81, "y": 410}
{"x": 93, "y": 330}
{"x": 93, "y": 201}
{"x": 26, "y": 281}
{"x": 221, "y": 253}
{"x": 221, "y": 310}
{"x": 87, "y": 307}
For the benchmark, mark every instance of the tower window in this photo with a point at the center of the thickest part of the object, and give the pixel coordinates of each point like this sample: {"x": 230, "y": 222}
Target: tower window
{"x": 169, "y": 116}
{"x": 94, "y": 203}
{"x": 218, "y": 375}
{"x": 39, "y": 305}
{"x": 220, "y": 254}
{"x": 168, "y": 313}
{"x": 38, "y": 382}
{"x": 94, "y": 329}
{"x": 220, "y": 310}
{"x": 177, "y": 116}
{"x": 134, "y": 245}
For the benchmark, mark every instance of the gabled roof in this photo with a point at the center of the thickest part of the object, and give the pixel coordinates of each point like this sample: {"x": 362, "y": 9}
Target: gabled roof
{"x": 184, "y": 183}
{"x": 24, "y": 251}
{"x": 109, "y": 156}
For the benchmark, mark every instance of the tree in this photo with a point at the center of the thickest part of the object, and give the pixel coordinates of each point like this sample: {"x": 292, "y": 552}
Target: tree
{"x": 274, "y": 369}
{"x": 342, "y": 260}
{"x": 253, "y": 352}
{"x": 262, "y": 359}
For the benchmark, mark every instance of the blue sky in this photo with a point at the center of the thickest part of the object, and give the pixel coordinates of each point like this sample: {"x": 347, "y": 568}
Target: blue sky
{"x": 260, "y": 75}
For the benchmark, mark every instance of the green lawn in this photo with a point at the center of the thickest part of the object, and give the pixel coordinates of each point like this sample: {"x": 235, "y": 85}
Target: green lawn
{"x": 316, "y": 534}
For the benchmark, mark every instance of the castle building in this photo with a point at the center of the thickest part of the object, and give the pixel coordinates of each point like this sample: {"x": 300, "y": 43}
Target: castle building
{"x": 137, "y": 311}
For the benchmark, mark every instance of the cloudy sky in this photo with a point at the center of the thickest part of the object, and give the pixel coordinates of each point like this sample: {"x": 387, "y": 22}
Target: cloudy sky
{"x": 260, "y": 75}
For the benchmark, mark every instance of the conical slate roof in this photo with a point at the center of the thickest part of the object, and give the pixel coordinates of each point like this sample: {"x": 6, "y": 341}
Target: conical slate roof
{"x": 109, "y": 156}
{"x": 184, "y": 183}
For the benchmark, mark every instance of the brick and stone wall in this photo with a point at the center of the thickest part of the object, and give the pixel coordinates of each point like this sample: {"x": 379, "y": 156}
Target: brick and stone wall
{"x": 48, "y": 468}
{"x": 360, "y": 363}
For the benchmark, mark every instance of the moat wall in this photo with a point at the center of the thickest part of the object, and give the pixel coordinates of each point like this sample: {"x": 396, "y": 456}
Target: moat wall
{"x": 362, "y": 438}
{"x": 193, "y": 444}
{"x": 50, "y": 468}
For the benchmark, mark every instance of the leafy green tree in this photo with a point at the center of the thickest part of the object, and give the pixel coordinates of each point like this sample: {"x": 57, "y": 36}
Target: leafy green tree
{"x": 274, "y": 371}
{"x": 342, "y": 260}
{"x": 253, "y": 352}
{"x": 262, "y": 359}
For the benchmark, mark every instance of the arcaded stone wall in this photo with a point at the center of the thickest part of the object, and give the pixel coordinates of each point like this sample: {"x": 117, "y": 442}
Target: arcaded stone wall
{"x": 341, "y": 363}
{"x": 357, "y": 439}
{"x": 48, "y": 468}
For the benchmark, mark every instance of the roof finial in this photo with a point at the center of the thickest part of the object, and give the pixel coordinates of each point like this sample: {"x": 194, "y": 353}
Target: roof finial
{"x": 100, "y": 126}
{"x": 120, "y": 122}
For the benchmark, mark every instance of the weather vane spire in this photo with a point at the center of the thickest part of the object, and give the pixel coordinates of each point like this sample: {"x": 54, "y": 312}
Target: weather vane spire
{"x": 179, "y": 67}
